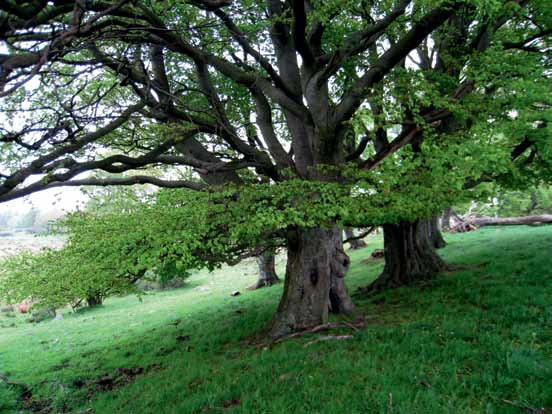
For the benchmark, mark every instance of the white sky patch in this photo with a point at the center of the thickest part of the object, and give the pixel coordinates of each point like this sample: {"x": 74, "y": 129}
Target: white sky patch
{"x": 67, "y": 199}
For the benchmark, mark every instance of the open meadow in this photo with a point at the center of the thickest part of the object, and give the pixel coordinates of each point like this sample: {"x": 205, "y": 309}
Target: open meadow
{"x": 478, "y": 339}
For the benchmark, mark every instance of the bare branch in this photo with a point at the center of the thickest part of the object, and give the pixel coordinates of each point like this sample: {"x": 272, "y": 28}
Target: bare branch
{"x": 391, "y": 57}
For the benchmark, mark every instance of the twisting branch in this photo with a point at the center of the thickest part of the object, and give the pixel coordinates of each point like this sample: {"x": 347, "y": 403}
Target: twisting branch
{"x": 37, "y": 166}
{"x": 427, "y": 24}
{"x": 360, "y": 41}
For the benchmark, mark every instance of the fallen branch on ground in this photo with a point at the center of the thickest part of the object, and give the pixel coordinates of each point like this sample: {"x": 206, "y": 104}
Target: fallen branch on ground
{"x": 526, "y": 407}
{"x": 472, "y": 223}
{"x": 328, "y": 338}
{"x": 462, "y": 227}
{"x": 510, "y": 221}
{"x": 7, "y": 381}
{"x": 319, "y": 328}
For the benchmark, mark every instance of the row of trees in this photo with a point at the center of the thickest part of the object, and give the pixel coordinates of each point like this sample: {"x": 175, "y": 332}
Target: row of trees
{"x": 284, "y": 121}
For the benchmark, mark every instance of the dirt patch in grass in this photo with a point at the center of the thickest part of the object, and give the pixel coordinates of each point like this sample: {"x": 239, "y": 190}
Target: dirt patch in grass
{"x": 119, "y": 378}
{"x": 104, "y": 383}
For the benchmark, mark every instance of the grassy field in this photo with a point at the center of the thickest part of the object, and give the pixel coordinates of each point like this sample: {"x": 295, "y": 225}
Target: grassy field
{"x": 476, "y": 340}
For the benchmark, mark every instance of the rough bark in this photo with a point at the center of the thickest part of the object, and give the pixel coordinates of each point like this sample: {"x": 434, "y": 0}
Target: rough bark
{"x": 355, "y": 244}
{"x": 510, "y": 221}
{"x": 434, "y": 233}
{"x": 340, "y": 300}
{"x": 445, "y": 219}
{"x": 316, "y": 267}
{"x": 410, "y": 256}
{"x": 267, "y": 270}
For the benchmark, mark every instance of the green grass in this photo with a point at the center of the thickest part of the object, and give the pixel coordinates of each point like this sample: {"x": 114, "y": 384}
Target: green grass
{"x": 476, "y": 340}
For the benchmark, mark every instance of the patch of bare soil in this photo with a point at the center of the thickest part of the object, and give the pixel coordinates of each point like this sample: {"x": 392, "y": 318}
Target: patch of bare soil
{"x": 104, "y": 383}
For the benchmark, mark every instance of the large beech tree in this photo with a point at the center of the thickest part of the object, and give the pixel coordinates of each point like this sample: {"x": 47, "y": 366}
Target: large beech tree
{"x": 243, "y": 93}
{"x": 511, "y": 101}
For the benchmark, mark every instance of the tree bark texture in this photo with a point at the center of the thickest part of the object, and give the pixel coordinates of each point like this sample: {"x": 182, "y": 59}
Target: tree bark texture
{"x": 340, "y": 300}
{"x": 445, "y": 219}
{"x": 316, "y": 267}
{"x": 434, "y": 232}
{"x": 410, "y": 256}
{"x": 355, "y": 244}
{"x": 267, "y": 270}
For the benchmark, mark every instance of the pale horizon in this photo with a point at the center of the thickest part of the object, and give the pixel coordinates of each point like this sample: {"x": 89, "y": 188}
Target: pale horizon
{"x": 66, "y": 199}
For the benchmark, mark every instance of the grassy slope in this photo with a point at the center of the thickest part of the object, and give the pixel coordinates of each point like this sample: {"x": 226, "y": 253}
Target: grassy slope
{"x": 461, "y": 344}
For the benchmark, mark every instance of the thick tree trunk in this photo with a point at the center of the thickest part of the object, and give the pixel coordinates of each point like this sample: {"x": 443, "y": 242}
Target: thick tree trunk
{"x": 94, "y": 300}
{"x": 316, "y": 267}
{"x": 445, "y": 219}
{"x": 434, "y": 233}
{"x": 340, "y": 300}
{"x": 410, "y": 256}
{"x": 267, "y": 270}
{"x": 355, "y": 244}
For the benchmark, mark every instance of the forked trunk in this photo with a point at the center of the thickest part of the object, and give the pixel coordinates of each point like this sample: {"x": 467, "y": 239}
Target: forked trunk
{"x": 267, "y": 270}
{"x": 355, "y": 244}
{"x": 410, "y": 256}
{"x": 316, "y": 266}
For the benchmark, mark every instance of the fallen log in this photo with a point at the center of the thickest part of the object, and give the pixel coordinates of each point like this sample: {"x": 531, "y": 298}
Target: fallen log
{"x": 510, "y": 221}
{"x": 462, "y": 227}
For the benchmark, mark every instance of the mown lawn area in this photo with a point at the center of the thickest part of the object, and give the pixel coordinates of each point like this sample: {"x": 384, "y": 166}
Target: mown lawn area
{"x": 476, "y": 340}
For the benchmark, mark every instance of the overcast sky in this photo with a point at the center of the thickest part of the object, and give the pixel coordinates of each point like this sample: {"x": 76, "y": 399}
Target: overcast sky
{"x": 59, "y": 198}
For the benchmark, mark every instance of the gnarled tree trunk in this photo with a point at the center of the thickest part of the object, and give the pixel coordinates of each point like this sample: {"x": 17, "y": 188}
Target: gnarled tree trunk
{"x": 267, "y": 270}
{"x": 340, "y": 300}
{"x": 434, "y": 232}
{"x": 316, "y": 266}
{"x": 410, "y": 256}
{"x": 445, "y": 219}
{"x": 355, "y": 244}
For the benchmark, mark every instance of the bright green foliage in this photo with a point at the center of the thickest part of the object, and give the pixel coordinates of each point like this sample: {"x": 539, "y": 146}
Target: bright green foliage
{"x": 106, "y": 252}
{"x": 117, "y": 242}
{"x": 462, "y": 345}
{"x": 56, "y": 279}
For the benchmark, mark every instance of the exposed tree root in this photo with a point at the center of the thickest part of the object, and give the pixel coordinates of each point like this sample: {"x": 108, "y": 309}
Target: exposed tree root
{"x": 319, "y": 328}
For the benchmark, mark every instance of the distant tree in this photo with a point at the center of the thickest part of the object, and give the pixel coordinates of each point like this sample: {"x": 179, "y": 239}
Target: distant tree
{"x": 510, "y": 110}
{"x": 5, "y": 219}
{"x": 27, "y": 220}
